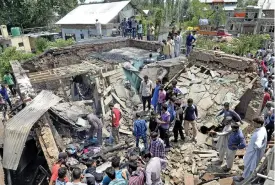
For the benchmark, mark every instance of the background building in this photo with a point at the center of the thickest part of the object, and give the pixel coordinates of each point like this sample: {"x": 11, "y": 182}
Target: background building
{"x": 80, "y": 22}
{"x": 253, "y": 19}
{"x": 229, "y": 5}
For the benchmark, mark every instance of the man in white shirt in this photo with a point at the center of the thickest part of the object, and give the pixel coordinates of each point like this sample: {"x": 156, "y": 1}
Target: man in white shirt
{"x": 145, "y": 90}
{"x": 153, "y": 169}
{"x": 98, "y": 29}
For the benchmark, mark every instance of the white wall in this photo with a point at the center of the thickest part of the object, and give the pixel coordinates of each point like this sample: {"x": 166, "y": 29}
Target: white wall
{"x": 77, "y": 32}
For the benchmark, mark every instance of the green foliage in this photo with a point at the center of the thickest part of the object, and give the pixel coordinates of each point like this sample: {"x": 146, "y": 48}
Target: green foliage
{"x": 41, "y": 44}
{"x": 33, "y": 13}
{"x": 9, "y": 54}
{"x": 245, "y": 3}
{"x": 239, "y": 46}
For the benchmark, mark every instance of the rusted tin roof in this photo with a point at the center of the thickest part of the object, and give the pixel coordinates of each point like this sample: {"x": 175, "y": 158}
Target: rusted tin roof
{"x": 18, "y": 127}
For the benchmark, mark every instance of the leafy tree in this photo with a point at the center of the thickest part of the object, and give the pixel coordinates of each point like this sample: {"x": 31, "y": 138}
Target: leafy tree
{"x": 42, "y": 44}
{"x": 33, "y": 13}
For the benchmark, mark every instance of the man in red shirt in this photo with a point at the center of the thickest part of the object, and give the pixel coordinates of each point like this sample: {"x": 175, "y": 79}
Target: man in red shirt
{"x": 115, "y": 116}
{"x": 62, "y": 158}
{"x": 266, "y": 98}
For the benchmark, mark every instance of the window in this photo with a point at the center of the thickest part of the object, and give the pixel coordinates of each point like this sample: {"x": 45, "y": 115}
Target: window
{"x": 82, "y": 36}
{"x": 231, "y": 27}
{"x": 21, "y": 44}
{"x": 7, "y": 45}
{"x": 271, "y": 29}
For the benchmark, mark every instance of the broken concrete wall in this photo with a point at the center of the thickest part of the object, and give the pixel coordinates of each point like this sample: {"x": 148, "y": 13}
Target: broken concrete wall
{"x": 153, "y": 46}
{"x": 242, "y": 107}
{"x": 54, "y": 58}
{"x": 229, "y": 61}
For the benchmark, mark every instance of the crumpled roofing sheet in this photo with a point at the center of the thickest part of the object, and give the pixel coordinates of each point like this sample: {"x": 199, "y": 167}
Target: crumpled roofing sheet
{"x": 19, "y": 126}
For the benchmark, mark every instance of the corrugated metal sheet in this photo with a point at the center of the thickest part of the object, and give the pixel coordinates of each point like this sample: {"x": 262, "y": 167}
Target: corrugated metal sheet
{"x": 18, "y": 127}
{"x": 87, "y": 14}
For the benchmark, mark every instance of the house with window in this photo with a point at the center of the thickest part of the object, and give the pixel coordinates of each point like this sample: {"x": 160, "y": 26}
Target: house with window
{"x": 227, "y": 5}
{"x": 80, "y": 22}
{"x": 253, "y": 19}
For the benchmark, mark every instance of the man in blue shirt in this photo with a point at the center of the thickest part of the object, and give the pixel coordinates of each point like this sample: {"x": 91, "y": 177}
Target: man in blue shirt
{"x": 140, "y": 129}
{"x": 236, "y": 141}
{"x": 229, "y": 113}
{"x": 190, "y": 39}
{"x": 191, "y": 114}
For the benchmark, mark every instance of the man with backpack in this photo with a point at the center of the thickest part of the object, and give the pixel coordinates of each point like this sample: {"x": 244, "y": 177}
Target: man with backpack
{"x": 191, "y": 114}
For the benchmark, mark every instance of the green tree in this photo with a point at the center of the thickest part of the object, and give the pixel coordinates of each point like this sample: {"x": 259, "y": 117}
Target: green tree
{"x": 33, "y": 13}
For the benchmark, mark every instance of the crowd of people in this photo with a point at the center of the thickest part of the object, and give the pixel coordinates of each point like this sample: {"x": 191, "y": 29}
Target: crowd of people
{"x": 132, "y": 28}
{"x": 172, "y": 46}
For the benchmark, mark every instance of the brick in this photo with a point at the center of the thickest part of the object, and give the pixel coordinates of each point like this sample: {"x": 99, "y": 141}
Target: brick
{"x": 188, "y": 179}
{"x": 226, "y": 181}
{"x": 208, "y": 176}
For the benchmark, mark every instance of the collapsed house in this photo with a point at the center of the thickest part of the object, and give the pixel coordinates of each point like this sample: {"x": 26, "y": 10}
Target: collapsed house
{"x": 69, "y": 83}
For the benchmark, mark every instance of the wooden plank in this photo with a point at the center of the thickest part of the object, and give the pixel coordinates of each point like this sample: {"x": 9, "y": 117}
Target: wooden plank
{"x": 204, "y": 151}
{"x": 108, "y": 99}
{"x": 102, "y": 106}
{"x": 118, "y": 100}
{"x": 107, "y": 90}
{"x": 188, "y": 179}
{"x": 125, "y": 132}
{"x": 208, "y": 155}
{"x": 109, "y": 73}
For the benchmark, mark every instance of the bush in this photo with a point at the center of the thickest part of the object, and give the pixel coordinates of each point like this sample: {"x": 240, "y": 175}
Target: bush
{"x": 41, "y": 44}
{"x": 9, "y": 54}
{"x": 239, "y": 46}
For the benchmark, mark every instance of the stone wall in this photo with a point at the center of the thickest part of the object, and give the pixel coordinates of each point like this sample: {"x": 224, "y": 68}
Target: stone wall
{"x": 226, "y": 60}
{"x": 153, "y": 46}
{"x": 60, "y": 57}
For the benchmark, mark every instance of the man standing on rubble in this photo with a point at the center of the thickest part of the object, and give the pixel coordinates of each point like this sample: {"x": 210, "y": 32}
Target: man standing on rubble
{"x": 157, "y": 147}
{"x": 236, "y": 141}
{"x": 145, "y": 90}
{"x": 223, "y": 139}
{"x": 255, "y": 149}
{"x": 154, "y": 101}
{"x": 229, "y": 113}
{"x": 191, "y": 114}
{"x": 140, "y": 129}
{"x": 153, "y": 169}
{"x": 96, "y": 127}
{"x": 164, "y": 125}
{"x": 116, "y": 116}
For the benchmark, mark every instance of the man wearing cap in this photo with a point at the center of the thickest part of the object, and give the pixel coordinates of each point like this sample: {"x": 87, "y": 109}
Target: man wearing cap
{"x": 255, "y": 149}
{"x": 236, "y": 141}
{"x": 96, "y": 127}
{"x": 62, "y": 158}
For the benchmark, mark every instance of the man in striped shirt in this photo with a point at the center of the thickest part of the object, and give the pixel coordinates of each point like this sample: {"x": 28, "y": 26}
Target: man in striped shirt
{"x": 137, "y": 175}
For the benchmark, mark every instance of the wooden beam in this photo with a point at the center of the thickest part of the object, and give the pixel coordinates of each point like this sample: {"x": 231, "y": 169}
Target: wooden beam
{"x": 118, "y": 100}
{"x": 109, "y": 73}
{"x": 102, "y": 106}
{"x": 108, "y": 99}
